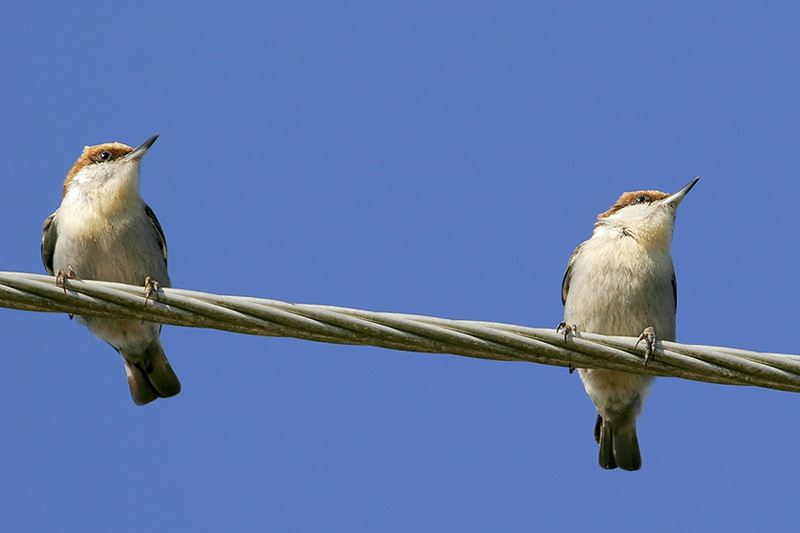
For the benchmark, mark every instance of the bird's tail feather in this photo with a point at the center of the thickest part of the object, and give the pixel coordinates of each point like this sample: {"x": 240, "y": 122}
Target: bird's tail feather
{"x": 150, "y": 375}
{"x": 619, "y": 446}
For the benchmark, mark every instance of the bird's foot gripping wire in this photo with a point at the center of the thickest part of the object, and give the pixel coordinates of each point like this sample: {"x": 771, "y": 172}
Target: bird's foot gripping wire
{"x": 62, "y": 277}
{"x": 568, "y": 330}
{"x": 150, "y": 289}
{"x": 649, "y": 338}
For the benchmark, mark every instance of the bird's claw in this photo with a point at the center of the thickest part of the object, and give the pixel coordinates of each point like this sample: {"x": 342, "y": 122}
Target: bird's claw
{"x": 649, "y": 338}
{"x": 62, "y": 277}
{"x": 150, "y": 289}
{"x": 568, "y": 330}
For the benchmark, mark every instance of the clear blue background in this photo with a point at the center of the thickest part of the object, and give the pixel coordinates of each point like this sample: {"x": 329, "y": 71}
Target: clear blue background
{"x": 433, "y": 158}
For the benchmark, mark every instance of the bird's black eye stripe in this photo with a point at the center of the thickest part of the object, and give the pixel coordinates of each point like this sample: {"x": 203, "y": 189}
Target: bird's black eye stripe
{"x": 105, "y": 155}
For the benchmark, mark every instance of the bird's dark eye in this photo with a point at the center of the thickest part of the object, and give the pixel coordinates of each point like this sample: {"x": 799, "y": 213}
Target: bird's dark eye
{"x": 104, "y": 155}
{"x": 641, "y": 199}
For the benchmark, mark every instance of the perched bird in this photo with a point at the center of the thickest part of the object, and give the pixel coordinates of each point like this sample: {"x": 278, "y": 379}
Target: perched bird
{"x": 622, "y": 282}
{"x": 104, "y": 231}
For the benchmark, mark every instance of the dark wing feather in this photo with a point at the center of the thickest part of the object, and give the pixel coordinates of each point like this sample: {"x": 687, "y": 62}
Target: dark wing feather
{"x": 568, "y": 274}
{"x": 162, "y": 241}
{"x": 49, "y": 237}
{"x": 675, "y": 289}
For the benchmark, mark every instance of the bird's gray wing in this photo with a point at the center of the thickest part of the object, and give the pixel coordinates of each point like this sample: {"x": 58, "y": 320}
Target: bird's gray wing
{"x": 568, "y": 274}
{"x": 675, "y": 289}
{"x": 162, "y": 241}
{"x": 49, "y": 237}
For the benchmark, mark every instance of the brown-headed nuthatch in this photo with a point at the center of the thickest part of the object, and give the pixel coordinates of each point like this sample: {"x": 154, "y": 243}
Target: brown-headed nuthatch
{"x": 622, "y": 282}
{"x": 104, "y": 231}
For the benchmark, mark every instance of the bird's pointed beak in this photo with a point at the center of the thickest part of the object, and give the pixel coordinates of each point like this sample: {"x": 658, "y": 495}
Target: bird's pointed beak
{"x": 142, "y": 149}
{"x": 676, "y": 198}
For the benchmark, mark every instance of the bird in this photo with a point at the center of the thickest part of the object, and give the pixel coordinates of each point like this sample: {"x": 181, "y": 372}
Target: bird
{"x": 622, "y": 282}
{"x": 103, "y": 230}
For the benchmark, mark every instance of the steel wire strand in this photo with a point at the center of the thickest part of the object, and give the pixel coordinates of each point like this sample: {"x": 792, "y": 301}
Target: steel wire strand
{"x": 416, "y": 333}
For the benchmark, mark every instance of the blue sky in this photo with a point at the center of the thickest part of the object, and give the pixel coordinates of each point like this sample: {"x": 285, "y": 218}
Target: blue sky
{"x": 432, "y": 158}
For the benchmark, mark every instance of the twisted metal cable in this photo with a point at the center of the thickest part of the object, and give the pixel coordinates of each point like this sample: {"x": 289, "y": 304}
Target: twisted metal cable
{"x": 416, "y": 333}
